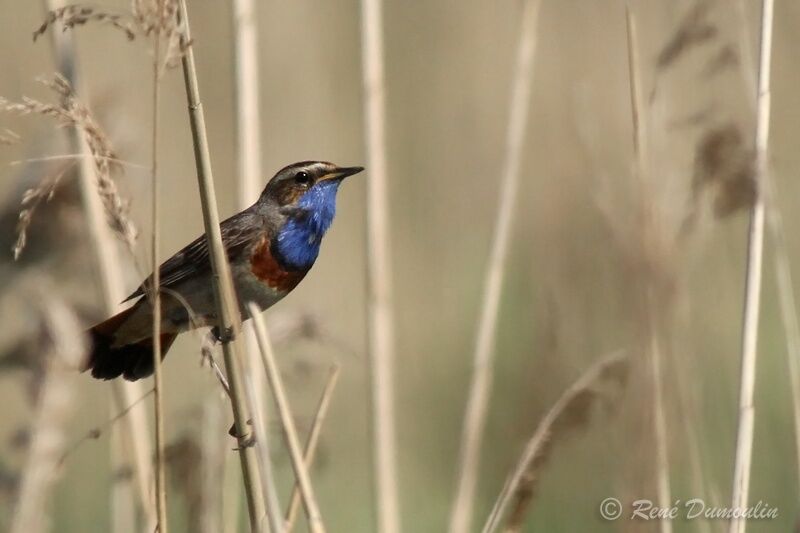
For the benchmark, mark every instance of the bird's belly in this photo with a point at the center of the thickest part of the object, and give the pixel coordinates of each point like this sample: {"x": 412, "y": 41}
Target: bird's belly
{"x": 250, "y": 288}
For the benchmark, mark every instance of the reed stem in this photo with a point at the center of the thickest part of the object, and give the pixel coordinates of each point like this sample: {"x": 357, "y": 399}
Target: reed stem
{"x": 287, "y": 422}
{"x": 224, "y": 296}
{"x": 663, "y": 490}
{"x": 380, "y": 319}
{"x": 481, "y": 383}
{"x": 310, "y": 451}
{"x": 155, "y": 297}
{"x": 752, "y": 296}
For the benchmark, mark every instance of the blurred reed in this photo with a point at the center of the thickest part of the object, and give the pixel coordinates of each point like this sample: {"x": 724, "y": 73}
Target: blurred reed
{"x": 98, "y": 193}
{"x": 755, "y": 243}
{"x": 481, "y": 383}
{"x": 63, "y": 352}
{"x": 247, "y": 150}
{"x": 651, "y": 305}
{"x": 602, "y": 383}
{"x": 380, "y": 311}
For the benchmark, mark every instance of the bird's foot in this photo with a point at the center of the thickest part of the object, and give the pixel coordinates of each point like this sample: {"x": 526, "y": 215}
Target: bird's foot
{"x": 221, "y": 336}
{"x": 245, "y": 441}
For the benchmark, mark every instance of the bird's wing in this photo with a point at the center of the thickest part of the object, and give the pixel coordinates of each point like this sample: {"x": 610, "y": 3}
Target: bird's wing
{"x": 237, "y": 231}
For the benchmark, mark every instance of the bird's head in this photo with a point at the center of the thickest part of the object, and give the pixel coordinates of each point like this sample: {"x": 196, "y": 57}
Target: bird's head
{"x": 305, "y": 197}
{"x": 306, "y": 182}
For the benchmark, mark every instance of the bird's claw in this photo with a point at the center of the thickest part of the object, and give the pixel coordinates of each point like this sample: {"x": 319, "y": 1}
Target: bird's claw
{"x": 246, "y": 440}
{"x": 222, "y": 337}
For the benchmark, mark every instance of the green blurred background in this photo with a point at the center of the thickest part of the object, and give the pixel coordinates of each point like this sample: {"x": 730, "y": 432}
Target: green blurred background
{"x": 569, "y": 296}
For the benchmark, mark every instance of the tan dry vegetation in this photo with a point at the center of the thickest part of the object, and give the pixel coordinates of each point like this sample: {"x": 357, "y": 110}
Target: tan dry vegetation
{"x": 605, "y": 253}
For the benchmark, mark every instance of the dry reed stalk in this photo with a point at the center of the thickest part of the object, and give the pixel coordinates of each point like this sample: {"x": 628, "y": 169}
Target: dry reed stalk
{"x": 155, "y": 299}
{"x": 640, "y": 153}
{"x": 75, "y": 15}
{"x": 783, "y": 271}
{"x": 248, "y": 131}
{"x": 109, "y": 272}
{"x": 481, "y": 383}
{"x": 380, "y": 320}
{"x": 273, "y": 518}
{"x": 659, "y": 422}
{"x": 572, "y": 410}
{"x": 73, "y": 113}
{"x": 247, "y": 145}
{"x": 755, "y": 245}
{"x": 54, "y": 406}
{"x": 313, "y": 515}
{"x": 310, "y": 451}
{"x": 225, "y": 298}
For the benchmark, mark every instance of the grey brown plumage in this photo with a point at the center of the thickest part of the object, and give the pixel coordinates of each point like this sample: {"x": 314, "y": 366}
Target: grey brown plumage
{"x": 271, "y": 246}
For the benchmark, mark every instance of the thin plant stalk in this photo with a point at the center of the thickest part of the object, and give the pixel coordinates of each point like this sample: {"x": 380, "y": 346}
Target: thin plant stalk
{"x": 660, "y": 432}
{"x": 248, "y": 131}
{"x": 247, "y": 147}
{"x": 755, "y": 245}
{"x": 481, "y": 382}
{"x": 248, "y": 138}
{"x": 537, "y": 446}
{"x": 783, "y": 271}
{"x": 273, "y": 517}
{"x": 287, "y": 422}
{"x": 109, "y": 276}
{"x": 155, "y": 297}
{"x": 310, "y": 451}
{"x": 380, "y": 320}
{"x": 225, "y": 298}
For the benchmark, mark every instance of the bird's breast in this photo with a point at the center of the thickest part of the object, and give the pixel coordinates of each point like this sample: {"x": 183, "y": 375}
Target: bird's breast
{"x": 266, "y": 269}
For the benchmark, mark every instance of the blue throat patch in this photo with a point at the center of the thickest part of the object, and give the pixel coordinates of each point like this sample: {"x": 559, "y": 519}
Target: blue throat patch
{"x": 299, "y": 240}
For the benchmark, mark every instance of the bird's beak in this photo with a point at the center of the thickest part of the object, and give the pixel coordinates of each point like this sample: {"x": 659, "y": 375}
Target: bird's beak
{"x": 342, "y": 172}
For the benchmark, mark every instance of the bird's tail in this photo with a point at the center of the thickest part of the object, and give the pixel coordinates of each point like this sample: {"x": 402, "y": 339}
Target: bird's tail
{"x": 132, "y": 361}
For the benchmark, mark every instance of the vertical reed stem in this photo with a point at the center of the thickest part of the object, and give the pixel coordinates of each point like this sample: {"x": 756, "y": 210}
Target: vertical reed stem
{"x": 380, "y": 326}
{"x": 755, "y": 245}
{"x": 225, "y": 298}
{"x": 481, "y": 384}
{"x": 247, "y": 147}
{"x": 274, "y": 517}
{"x": 246, "y": 79}
{"x": 783, "y": 271}
{"x": 287, "y": 422}
{"x": 660, "y": 432}
{"x": 309, "y": 453}
{"x": 155, "y": 296}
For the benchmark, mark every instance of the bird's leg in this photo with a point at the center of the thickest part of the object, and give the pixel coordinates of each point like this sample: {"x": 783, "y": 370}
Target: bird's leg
{"x": 245, "y": 441}
{"x": 248, "y": 438}
{"x": 223, "y": 337}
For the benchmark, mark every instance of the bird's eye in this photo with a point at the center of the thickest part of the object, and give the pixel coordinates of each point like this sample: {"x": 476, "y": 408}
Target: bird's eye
{"x": 302, "y": 178}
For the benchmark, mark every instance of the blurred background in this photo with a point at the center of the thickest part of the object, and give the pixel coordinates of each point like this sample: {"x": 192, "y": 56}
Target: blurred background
{"x": 588, "y": 235}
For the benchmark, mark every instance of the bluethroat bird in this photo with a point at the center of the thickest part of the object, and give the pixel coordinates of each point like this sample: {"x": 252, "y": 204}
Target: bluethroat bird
{"x": 271, "y": 246}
